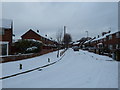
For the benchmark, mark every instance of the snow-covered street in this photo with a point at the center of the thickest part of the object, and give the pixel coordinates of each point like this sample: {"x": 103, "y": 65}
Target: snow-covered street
{"x": 75, "y": 70}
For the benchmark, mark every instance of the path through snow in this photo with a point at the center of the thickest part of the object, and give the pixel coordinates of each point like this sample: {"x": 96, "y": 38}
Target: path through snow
{"x": 76, "y": 70}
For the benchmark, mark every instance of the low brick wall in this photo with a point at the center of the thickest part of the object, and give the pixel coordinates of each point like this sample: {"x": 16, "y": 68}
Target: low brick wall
{"x": 25, "y": 56}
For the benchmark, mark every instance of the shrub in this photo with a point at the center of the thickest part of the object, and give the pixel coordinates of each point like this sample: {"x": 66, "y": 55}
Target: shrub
{"x": 28, "y": 46}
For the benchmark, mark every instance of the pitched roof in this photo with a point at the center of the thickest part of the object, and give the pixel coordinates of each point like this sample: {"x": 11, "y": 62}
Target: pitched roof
{"x": 102, "y": 37}
{"x": 30, "y": 30}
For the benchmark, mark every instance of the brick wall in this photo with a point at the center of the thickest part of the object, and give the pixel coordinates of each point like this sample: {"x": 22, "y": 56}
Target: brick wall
{"x": 25, "y": 56}
{"x": 7, "y": 37}
{"x": 107, "y": 41}
{"x": 33, "y": 35}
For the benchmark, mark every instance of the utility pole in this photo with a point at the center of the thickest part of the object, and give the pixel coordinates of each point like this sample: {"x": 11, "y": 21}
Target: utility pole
{"x": 110, "y": 29}
{"x": 119, "y": 16}
{"x": 87, "y": 34}
{"x": 64, "y": 33}
{"x": 64, "y": 30}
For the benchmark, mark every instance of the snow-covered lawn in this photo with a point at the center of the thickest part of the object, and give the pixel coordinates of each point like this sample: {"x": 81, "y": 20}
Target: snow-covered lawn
{"x": 11, "y": 68}
{"x": 76, "y": 70}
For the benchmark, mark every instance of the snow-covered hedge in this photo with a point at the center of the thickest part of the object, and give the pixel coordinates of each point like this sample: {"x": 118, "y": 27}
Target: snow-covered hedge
{"x": 27, "y": 46}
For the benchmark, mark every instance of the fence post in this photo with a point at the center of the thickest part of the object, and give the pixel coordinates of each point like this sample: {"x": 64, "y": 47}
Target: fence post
{"x": 20, "y": 66}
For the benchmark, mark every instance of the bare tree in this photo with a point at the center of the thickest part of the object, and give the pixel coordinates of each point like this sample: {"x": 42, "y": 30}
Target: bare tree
{"x": 67, "y": 39}
{"x": 59, "y": 40}
{"x": 59, "y": 36}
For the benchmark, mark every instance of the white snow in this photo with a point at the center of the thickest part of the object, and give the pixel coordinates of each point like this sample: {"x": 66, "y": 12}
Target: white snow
{"x": 76, "y": 43}
{"x": 76, "y": 70}
{"x": 13, "y": 67}
{"x": 87, "y": 41}
{"x": 31, "y": 48}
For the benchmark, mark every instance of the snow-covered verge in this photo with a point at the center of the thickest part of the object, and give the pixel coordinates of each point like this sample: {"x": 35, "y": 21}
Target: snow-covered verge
{"x": 76, "y": 70}
{"x": 11, "y": 68}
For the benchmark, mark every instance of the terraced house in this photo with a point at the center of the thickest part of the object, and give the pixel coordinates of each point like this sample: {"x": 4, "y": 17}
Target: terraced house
{"x": 109, "y": 42}
{"x": 32, "y": 35}
{"x": 6, "y": 33}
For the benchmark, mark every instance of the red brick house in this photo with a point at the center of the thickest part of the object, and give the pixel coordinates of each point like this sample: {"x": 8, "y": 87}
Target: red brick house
{"x": 113, "y": 41}
{"x": 6, "y": 32}
{"x": 30, "y": 34}
{"x": 109, "y": 41}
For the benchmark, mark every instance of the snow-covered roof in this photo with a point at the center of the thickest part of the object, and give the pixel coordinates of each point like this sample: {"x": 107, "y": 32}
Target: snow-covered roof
{"x": 76, "y": 43}
{"x": 99, "y": 38}
{"x": 102, "y": 37}
{"x": 71, "y": 42}
{"x": 5, "y": 23}
{"x": 47, "y": 37}
{"x": 87, "y": 41}
{"x": 99, "y": 43}
{"x": 111, "y": 33}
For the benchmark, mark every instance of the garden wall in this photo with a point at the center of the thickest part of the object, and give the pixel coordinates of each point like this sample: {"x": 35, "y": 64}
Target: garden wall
{"x": 24, "y": 56}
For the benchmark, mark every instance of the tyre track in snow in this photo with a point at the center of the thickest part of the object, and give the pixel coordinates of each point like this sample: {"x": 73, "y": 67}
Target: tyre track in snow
{"x": 96, "y": 58}
{"x": 31, "y": 69}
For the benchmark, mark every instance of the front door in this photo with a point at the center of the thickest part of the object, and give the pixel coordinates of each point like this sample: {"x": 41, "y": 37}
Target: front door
{"x": 4, "y": 49}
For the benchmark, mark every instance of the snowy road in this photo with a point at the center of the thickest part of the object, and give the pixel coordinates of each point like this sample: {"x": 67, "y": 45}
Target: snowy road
{"x": 76, "y": 70}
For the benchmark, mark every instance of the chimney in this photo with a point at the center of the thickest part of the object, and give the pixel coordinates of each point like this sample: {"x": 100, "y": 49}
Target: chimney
{"x": 98, "y": 36}
{"x": 109, "y": 31}
{"x": 37, "y": 31}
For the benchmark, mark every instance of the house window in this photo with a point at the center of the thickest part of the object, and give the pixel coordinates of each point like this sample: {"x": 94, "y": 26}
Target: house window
{"x": 104, "y": 39}
{"x": 110, "y": 47}
{"x": 117, "y": 46}
{"x": 117, "y": 35}
{"x": 4, "y": 49}
{"x": 105, "y": 45}
{"x": 2, "y": 31}
{"x": 45, "y": 39}
{"x": 41, "y": 38}
{"x": 110, "y": 37}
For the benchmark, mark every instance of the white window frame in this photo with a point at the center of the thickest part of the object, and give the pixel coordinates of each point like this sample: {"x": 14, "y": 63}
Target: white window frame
{"x": 104, "y": 39}
{"x": 110, "y": 37}
{"x": 117, "y": 35}
{"x": 2, "y": 31}
{"x": 117, "y": 46}
{"x": 110, "y": 47}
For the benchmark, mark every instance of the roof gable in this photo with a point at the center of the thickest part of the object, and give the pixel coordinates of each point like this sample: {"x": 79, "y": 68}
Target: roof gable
{"x": 30, "y": 31}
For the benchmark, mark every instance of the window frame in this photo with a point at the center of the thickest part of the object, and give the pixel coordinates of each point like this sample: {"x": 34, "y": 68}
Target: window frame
{"x": 2, "y": 31}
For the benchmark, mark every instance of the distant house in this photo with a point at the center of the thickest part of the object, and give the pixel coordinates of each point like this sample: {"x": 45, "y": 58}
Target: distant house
{"x": 6, "y": 32}
{"x": 112, "y": 41}
{"x": 32, "y": 35}
{"x": 109, "y": 41}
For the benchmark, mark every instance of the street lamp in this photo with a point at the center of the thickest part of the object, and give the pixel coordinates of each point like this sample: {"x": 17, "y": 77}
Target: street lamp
{"x": 87, "y": 33}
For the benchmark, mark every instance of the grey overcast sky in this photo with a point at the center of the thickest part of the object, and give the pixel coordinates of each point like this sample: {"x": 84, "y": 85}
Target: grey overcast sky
{"x": 49, "y": 17}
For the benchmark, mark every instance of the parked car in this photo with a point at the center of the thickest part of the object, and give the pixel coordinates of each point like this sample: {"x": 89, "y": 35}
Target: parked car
{"x": 75, "y": 48}
{"x": 85, "y": 48}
